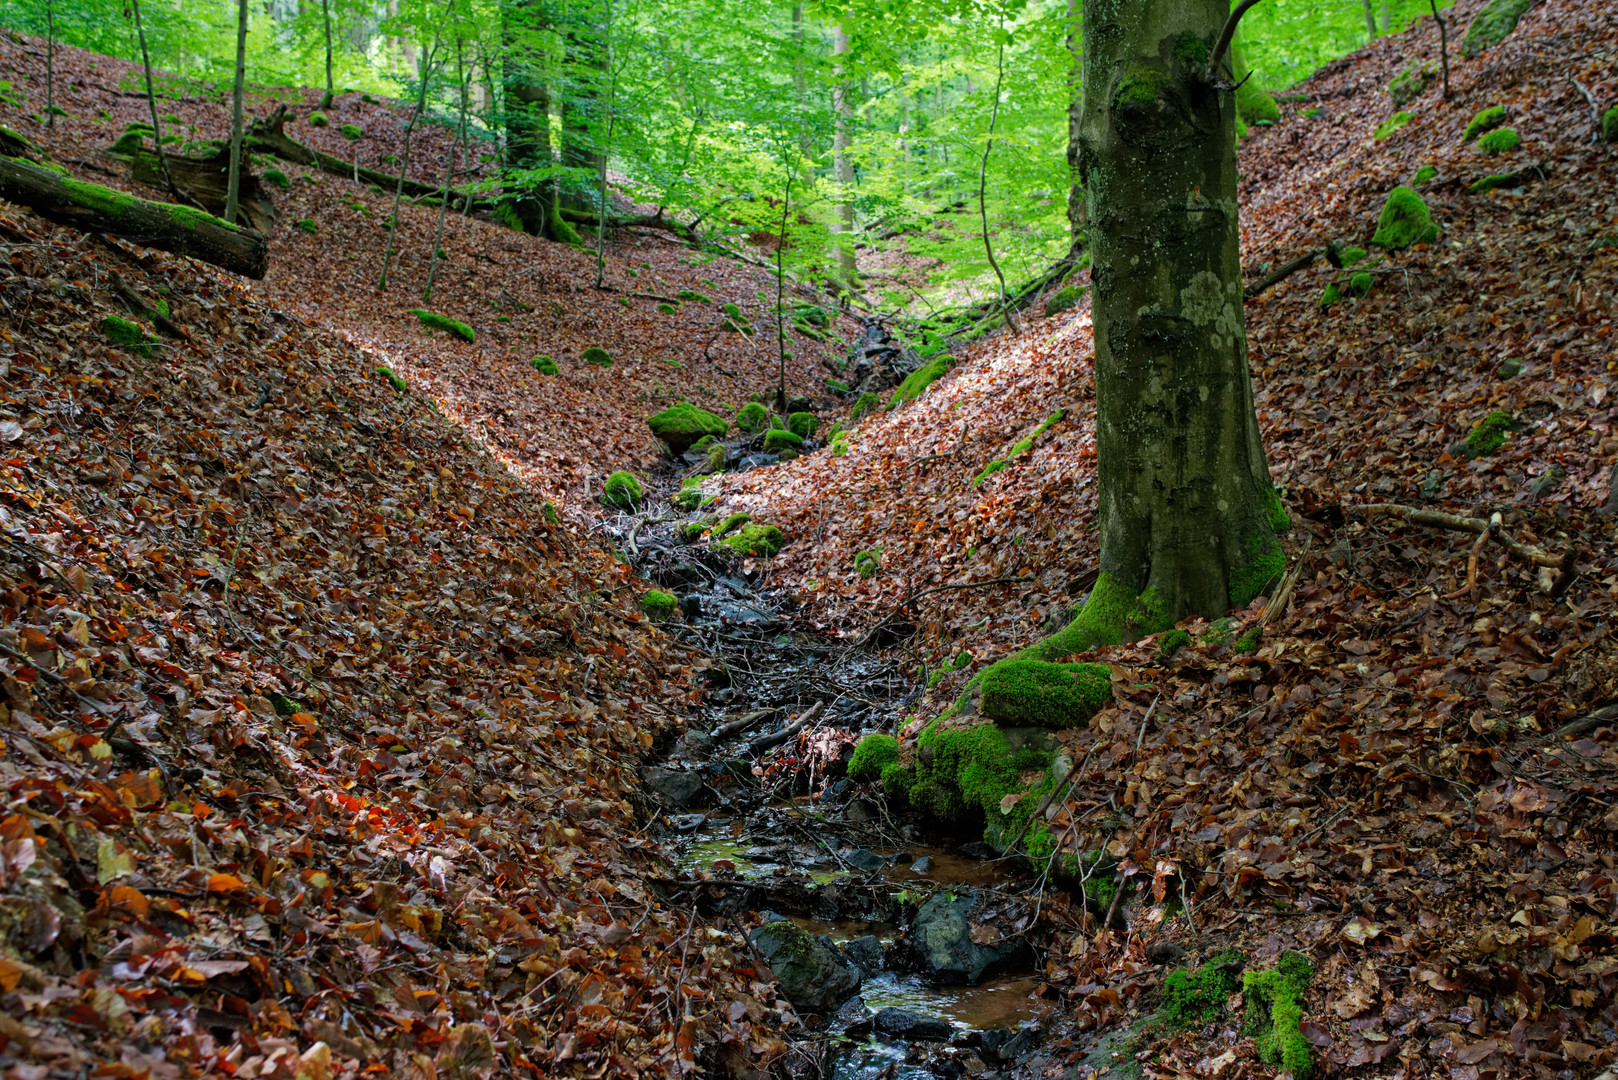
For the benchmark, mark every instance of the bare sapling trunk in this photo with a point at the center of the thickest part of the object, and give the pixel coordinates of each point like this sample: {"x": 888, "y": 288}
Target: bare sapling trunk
{"x": 780, "y": 298}
{"x": 449, "y": 176}
{"x": 50, "y": 67}
{"x": 1443, "y": 45}
{"x": 233, "y": 183}
{"x": 404, "y": 163}
{"x": 151, "y": 103}
{"x": 1189, "y": 518}
{"x": 325, "y": 12}
{"x": 1370, "y": 20}
{"x": 842, "y": 161}
{"x": 1075, "y": 103}
{"x": 606, "y": 149}
{"x": 983, "y": 186}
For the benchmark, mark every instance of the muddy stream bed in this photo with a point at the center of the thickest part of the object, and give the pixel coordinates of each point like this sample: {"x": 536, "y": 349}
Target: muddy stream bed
{"x": 921, "y": 957}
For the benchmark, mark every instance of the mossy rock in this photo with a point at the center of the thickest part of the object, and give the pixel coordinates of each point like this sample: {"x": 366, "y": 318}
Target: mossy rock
{"x": 318, "y": 119}
{"x": 666, "y": 309}
{"x": 1405, "y": 220}
{"x": 276, "y": 177}
{"x": 689, "y": 497}
{"x": 680, "y": 426}
{"x": 352, "y": 132}
{"x": 803, "y": 424}
{"x": 1489, "y": 434}
{"x": 867, "y": 563}
{"x": 658, "y": 605}
{"x": 757, "y": 541}
{"x": 544, "y": 365}
{"x": 1172, "y": 642}
{"x": 752, "y": 418}
{"x": 691, "y": 296}
{"x": 1330, "y": 297}
{"x": 129, "y": 335}
{"x": 1391, "y": 124}
{"x": 443, "y": 322}
{"x": 1492, "y": 25}
{"x": 1484, "y": 120}
{"x": 873, "y": 754}
{"x": 307, "y": 225}
{"x": 130, "y": 142}
{"x": 916, "y": 383}
{"x": 868, "y": 401}
{"x": 1352, "y": 255}
{"x": 1040, "y": 694}
{"x": 776, "y": 440}
{"x": 1411, "y": 83}
{"x": 731, "y": 523}
{"x": 1493, "y": 182}
{"x": 596, "y": 355}
{"x": 976, "y": 773}
{"x": 1064, "y": 299}
{"x": 1499, "y": 141}
{"x": 622, "y": 491}
{"x": 1424, "y": 174}
{"x": 1360, "y": 284}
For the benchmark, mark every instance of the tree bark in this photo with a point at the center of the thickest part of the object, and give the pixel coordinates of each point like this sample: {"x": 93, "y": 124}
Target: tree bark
{"x": 582, "y": 121}
{"x": 1187, "y": 511}
{"x": 527, "y": 116}
{"x": 233, "y": 182}
{"x": 1370, "y": 20}
{"x": 93, "y": 208}
{"x": 1075, "y": 106}
{"x": 842, "y": 163}
{"x": 325, "y": 11}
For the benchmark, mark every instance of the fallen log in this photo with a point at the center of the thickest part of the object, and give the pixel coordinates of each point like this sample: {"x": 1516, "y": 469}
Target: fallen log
{"x": 205, "y": 181}
{"x": 267, "y": 137}
{"x": 1280, "y": 274}
{"x": 643, "y": 221}
{"x": 182, "y": 230}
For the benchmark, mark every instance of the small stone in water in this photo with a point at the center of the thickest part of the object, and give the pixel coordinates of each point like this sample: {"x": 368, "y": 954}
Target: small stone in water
{"x": 865, "y": 860}
{"x": 923, "y": 865}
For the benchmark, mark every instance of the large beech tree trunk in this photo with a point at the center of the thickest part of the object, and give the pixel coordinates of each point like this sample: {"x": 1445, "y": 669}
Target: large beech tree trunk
{"x": 93, "y": 208}
{"x": 528, "y": 115}
{"x": 842, "y": 160}
{"x": 1188, "y": 514}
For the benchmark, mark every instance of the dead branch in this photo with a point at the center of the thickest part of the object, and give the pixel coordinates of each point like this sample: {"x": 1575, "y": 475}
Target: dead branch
{"x": 1228, "y": 33}
{"x": 765, "y": 742}
{"x": 1595, "y": 110}
{"x": 1280, "y": 274}
{"x": 1437, "y": 519}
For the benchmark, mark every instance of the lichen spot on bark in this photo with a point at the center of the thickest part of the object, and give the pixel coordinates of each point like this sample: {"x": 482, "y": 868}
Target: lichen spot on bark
{"x": 1203, "y": 303}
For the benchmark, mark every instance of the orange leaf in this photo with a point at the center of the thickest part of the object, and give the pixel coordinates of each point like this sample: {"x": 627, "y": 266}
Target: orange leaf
{"x": 226, "y": 883}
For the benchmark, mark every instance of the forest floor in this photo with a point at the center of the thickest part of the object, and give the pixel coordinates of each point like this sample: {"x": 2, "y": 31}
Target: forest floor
{"x": 322, "y": 738}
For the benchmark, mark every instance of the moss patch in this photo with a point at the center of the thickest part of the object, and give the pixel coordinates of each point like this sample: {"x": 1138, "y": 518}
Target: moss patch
{"x": 1360, "y": 284}
{"x": 1063, "y": 299}
{"x": 544, "y": 365}
{"x": 596, "y": 355}
{"x": 692, "y": 296}
{"x": 1330, "y": 297}
{"x": 397, "y": 383}
{"x": 1499, "y": 141}
{"x": 1493, "y": 183}
{"x": 964, "y": 772}
{"x": 1411, "y": 83}
{"x": 680, "y": 426}
{"x": 760, "y": 541}
{"x": 867, "y": 563}
{"x": 1489, "y": 434}
{"x": 1275, "y": 1010}
{"x": 917, "y": 382}
{"x": 1491, "y": 26}
{"x": 1172, "y": 642}
{"x": 444, "y": 322}
{"x": 1405, "y": 220}
{"x": 863, "y": 407}
{"x": 873, "y": 754}
{"x": 129, "y": 335}
{"x": 776, "y": 440}
{"x": 318, "y": 119}
{"x": 1140, "y": 87}
{"x": 1265, "y": 563}
{"x": 1424, "y": 174}
{"x": 351, "y": 132}
{"x": 1197, "y": 998}
{"x": 622, "y": 490}
{"x": 1485, "y": 120}
{"x": 1249, "y": 641}
{"x": 753, "y": 418}
{"x": 276, "y": 177}
{"x": 307, "y": 225}
{"x": 1391, "y": 124}
{"x": 658, "y": 605}
{"x": 803, "y": 424}
{"x": 1034, "y": 692}
{"x": 1609, "y": 125}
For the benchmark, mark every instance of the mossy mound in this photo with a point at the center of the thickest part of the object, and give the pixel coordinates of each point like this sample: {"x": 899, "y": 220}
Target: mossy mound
{"x": 680, "y": 426}
{"x": 658, "y": 605}
{"x": 622, "y": 491}
{"x": 1265, "y": 563}
{"x": 1275, "y": 1011}
{"x": 758, "y": 541}
{"x": 752, "y": 418}
{"x": 1485, "y": 120}
{"x": 129, "y": 335}
{"x": 1352, "y": 255}
{"x": 276, "y": 177}
{"x": 1249, "y": 641}
{"x": 666, "y": 309}
{"x": 1492, "y": 25}
{"x": 803, "y": 424}
{"x": 318, "y": 119}
{"x": 1064, "y": 299}
{"x": 1609, "y": 125}
{"x": 867, "y": 563}
{"x": 1424, "y": 174}
{"x": 1499, "y": 141}
{"x": 307, "y": 225}
{"x": 443, "y": 322}
{"x": 1330, "y": 297}
{"x": 1411, "y": 83}
{"x": 596, "y": 355}
{"x": 1392, "y": 124}
{"x": 873, "y": 754}
{"x": 867, "y": 402}
{"x": 351, "y": 132}
{"x": 1405, "y": 221}
{"x": 692, "y": 296}
{"x": 1489, "y": 434}
{"x": 393, "y": 380}
{"x": 1172, "y": 642}
{"x": 917, "y": 382}
{"x": 1040, "y": 694}
{"x": 544, "y": 365}
{"x": 1256, "y": 105}
{"x": 962, "y": 773}
{"x": 839, "y": 447}
{"x": 1197, "y": 998}
{"x": 689, "y": 497}
{"x": 130, "y": 142}
{"x": 776, "y": 440}
{"x": 731, "y": 524}
{"x": 1360, "y": 284}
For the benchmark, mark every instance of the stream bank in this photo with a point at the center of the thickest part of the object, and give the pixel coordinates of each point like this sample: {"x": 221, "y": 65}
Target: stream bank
{"x": 905, "y": 951}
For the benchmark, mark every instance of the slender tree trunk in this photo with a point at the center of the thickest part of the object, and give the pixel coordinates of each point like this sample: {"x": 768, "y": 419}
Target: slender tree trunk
{"x": 1187, "y": 511}
{"x": 983, "y": 185}
{"x": 1387, "y": 16}
{"x": 404, "y": 164}
{"x": 799, "y": 80}
{"x": 606, "y": 148}
{"x": 1370, "y": 19}
{"x": 326, "y": 98}
{"x": 582, "y": 122}
{"x": 50, "y": 67}
{"x": 1443, "y": 45}
{"x": 449, "y": 176}
{"x": 151, "y": 103}
{"x": 1075, "y": 104}
{"x": 780, "y": 299}
{"x": 233, "y": 183}
{"x": 842, "y": 162}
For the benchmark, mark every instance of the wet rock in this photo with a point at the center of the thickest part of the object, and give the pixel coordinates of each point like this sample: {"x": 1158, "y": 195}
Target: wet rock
{"x": 812, "y": 974}
{"x": 689, "y": 822}
{"x": 742, "y": 615}
{"x": 977, "y": 849}
{"x": 944, "y": 952}
{"x": 903, "y": 1024}
{"x": 675, "y": 787}
{"x": 865, "y": 861}
{"x": 860, "y": 811}
{"x": 923, "y": 865}
{"x": 691, "y": 606}
{"x": 753, "y": 461}
{"x": 693, "y": 746}
{"x": 1002, "y": 1047}
{"x": 853, "y": 1014}
{"x": 867, "y": 954}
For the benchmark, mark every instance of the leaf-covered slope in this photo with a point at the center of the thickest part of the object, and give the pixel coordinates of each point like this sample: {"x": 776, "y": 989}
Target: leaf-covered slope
{"x": 318, "y": 741}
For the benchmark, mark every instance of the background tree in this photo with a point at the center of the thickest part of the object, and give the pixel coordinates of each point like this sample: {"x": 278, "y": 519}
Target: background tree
{"x": 233, "y": 183}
